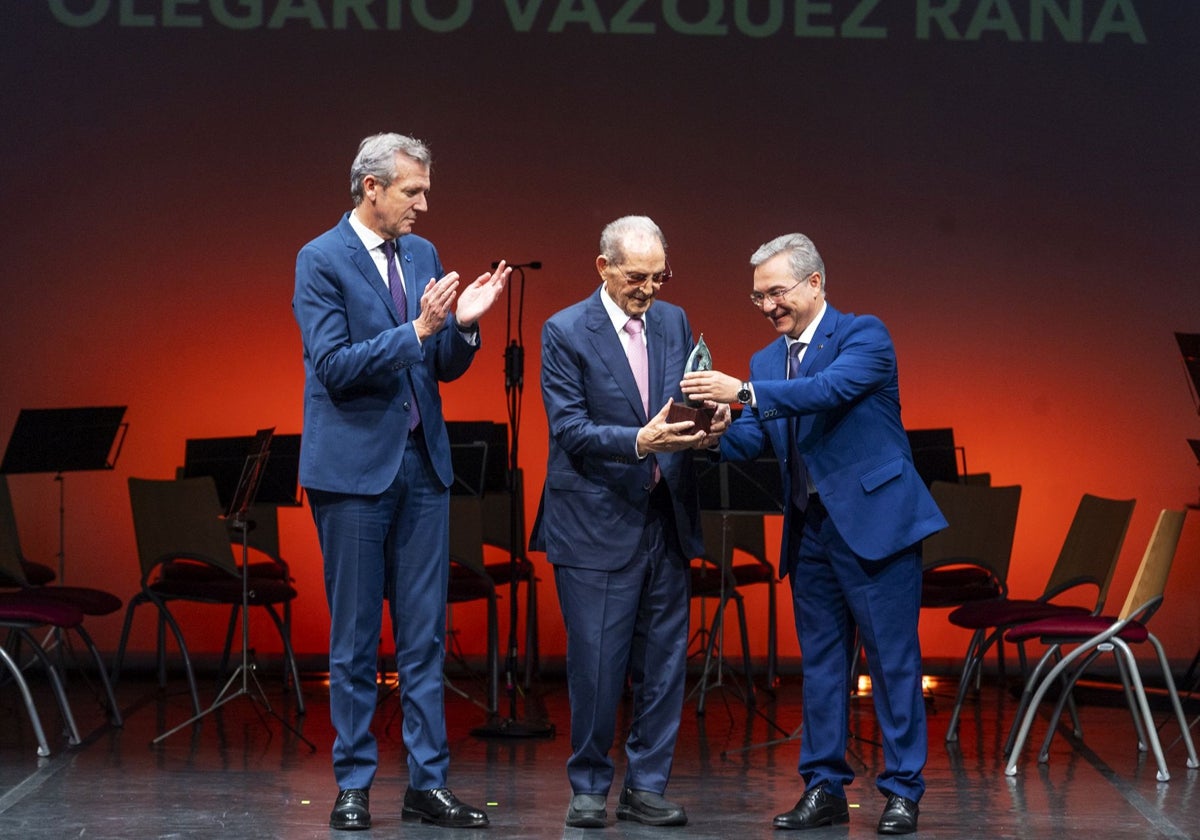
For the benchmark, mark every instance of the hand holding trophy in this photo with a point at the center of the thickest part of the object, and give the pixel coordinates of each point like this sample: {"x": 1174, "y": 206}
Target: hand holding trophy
{"x": 699, "y": 359}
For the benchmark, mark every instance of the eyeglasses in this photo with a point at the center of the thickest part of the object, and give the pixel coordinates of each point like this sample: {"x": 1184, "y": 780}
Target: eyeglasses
{"x": 638, "y": 279}
{"x": 776, "y": 295}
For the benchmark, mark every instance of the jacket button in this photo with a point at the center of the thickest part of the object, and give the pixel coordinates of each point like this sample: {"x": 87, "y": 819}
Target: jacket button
{"x": 407, "y": 406}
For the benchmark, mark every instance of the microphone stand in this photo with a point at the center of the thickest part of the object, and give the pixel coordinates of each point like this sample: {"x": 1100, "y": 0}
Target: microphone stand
{"x": 514, "y": 385}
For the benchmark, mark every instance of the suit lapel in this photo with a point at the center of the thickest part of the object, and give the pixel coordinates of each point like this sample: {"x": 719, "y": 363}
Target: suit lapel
{"x": 610, "y": 352}
{"x": 361, "y": 257}
{"x": 657, "y": 347}
{"x": 817, "y": 354}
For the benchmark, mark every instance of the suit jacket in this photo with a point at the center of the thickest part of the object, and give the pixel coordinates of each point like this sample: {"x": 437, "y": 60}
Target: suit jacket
{"x": 363, "y": 369}
{"x": 849, "y": 433}
{"x": 597, "y": 491}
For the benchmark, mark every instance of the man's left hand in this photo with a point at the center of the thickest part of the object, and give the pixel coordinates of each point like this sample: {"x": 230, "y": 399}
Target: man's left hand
{"x": 478, "y": 297}
{"x": 717, "y": 427}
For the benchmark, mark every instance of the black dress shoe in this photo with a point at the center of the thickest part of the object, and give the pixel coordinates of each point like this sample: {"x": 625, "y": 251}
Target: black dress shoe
{"x": 441, "y": 807}
{"x": 350, "y": 810}
{"x": 899, "y": 815}
{"x": 817, "y": 807}
{"x": 587, "y": 811}
{"x": 649, "y": 808}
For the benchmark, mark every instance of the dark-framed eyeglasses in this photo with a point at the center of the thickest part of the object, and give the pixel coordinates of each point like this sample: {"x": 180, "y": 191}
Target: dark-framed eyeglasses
{"x": 776, "y": 295}
{"x": 638, "y": 279}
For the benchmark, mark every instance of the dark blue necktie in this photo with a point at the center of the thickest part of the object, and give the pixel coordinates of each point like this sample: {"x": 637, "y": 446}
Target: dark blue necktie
{"x": 396, "y": 287}
{"x": 799, "y": 473}
{"x": 395, "y": 284}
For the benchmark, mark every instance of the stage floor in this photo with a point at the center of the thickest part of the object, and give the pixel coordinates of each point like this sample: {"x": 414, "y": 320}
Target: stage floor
{"x": 237, "y": 775}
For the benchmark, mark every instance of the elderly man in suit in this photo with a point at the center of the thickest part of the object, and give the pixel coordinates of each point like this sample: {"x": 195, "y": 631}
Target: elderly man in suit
{"x": 380, "y": 330}
{"x": 619, "y": 520}
{"x": 826, "y": 397}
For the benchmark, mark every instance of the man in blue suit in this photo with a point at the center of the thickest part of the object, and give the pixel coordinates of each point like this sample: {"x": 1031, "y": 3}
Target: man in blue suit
{"x": 380, "y": 331}
{"x": 826, "y": 398}
{"x": 619, "y": 520}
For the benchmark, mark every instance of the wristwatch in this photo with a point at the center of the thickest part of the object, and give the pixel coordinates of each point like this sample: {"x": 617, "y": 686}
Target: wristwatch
{"x": 743, "y": 394}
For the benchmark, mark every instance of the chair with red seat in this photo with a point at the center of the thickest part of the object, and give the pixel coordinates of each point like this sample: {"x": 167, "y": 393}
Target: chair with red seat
{"x": 87, "y": 601}
{"x": 260, "y": 535}
{"x": 179, "y": 521}
{"x": 1094, "y": 635}
{"x": 19, "y": 617}
{"x": 1088, "y": 557}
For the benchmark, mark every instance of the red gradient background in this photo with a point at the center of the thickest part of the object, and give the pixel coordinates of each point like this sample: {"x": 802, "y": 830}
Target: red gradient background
{"x": 1022, "y": 214}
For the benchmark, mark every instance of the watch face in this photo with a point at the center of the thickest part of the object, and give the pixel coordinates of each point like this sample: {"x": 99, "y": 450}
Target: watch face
{"x": 743, "y": 395}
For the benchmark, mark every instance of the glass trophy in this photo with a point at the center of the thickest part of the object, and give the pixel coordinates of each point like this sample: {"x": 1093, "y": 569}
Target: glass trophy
{"x": 694, "y": 410}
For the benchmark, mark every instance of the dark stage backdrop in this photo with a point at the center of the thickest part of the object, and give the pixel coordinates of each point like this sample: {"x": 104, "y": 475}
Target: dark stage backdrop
{"x": 1010, "y": 184}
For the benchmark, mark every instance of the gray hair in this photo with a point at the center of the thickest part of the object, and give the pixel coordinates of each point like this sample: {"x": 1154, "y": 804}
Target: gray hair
{"x": 612, "y": 239}
{"x": 803, "y": 258}
{"x": 377, "y": 157}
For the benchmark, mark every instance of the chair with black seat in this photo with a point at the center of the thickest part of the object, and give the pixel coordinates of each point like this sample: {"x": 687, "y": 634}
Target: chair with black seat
{"x": 1088, "y": 558}
{"x": 87, "y": 600}
{"x": 470, "y": 581}
{"x": 181, "y": 540}
{"x": 968, "y": 560}
{"x": 1093, "y": 635}
{"x": 716, "y": 575}
{"x": 38, "y": 574}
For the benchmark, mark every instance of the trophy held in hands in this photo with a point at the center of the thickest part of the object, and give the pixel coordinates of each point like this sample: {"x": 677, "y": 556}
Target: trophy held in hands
{"x": 699, "y": 359}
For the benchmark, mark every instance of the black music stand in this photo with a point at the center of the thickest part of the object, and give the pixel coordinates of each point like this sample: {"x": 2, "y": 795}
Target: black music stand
{"x": 59, "y": 440}
{"x": 243, "y": 498}
{"x": 224, "y": 459}
{"x": 935, "y": 456}
{"x": 739, "y": 488}
{"x": 1189, "y": 350}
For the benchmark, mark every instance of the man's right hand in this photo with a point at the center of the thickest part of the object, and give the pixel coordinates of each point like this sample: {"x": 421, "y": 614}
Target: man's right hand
{"x": 660, "y": 436}
{"x": 437, "y": 301}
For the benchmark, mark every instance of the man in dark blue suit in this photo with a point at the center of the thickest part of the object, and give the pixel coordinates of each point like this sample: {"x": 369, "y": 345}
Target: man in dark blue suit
{"x": 380, "y": 331}
{"x": 826, "y": 398}
{"x": 619, "y": 520}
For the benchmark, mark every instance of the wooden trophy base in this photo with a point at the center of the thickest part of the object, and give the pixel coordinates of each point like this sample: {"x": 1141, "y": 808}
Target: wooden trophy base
{"x": 702, "y": 416}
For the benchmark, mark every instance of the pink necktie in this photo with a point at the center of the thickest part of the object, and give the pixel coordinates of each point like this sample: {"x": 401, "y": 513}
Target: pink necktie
{"x": 639, "y": 362}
